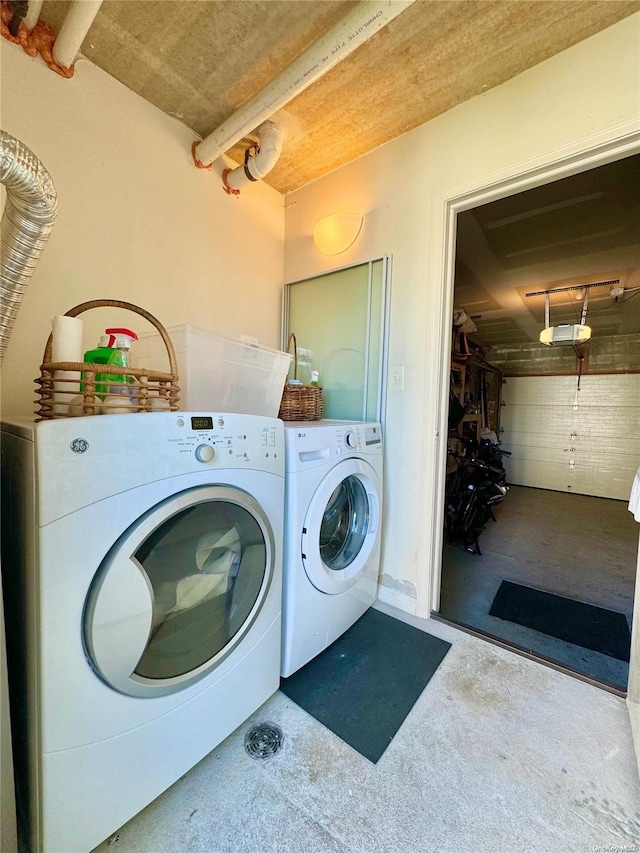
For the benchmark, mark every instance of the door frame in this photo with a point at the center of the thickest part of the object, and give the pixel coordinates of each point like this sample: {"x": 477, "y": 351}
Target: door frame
{"x": 588, "y": 153}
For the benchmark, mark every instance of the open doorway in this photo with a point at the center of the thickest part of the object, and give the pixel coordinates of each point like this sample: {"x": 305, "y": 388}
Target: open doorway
{"x": 554, "y": 575}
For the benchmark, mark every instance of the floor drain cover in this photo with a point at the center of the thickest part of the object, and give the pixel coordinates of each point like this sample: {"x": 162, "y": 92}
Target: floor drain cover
{"x": 263, "y": 740}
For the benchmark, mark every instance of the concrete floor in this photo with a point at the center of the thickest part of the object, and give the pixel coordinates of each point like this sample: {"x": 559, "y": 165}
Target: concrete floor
{"x": 573, "y": 545}
{"x": 500, "y": 753}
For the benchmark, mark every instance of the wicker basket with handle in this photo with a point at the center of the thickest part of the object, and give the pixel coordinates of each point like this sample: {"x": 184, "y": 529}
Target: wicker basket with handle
{"x": 300, "y": 402}
{"x": 146, "y": 390}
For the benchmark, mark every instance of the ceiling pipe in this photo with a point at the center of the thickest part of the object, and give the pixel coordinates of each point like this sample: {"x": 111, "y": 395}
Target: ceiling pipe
{"x": 33, "y": 14}
{"x": 74, "y": 30}
{"x": 257, "y": 166}
{"x": 354, "y": 29}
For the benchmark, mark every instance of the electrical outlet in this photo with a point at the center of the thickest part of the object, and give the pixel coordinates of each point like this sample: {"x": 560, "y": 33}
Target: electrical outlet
{"x": 396, "y": 377}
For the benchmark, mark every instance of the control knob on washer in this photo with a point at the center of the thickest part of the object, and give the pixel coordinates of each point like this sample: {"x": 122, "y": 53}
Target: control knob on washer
{"x": 351, "y": 440}
{"x": 205, "y": 453}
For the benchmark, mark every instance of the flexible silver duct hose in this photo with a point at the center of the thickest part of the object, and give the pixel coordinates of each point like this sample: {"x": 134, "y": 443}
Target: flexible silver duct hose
{"x": 29, "y": 213}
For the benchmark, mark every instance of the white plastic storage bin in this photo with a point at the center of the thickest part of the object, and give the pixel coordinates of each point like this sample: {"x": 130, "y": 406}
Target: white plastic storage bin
{"x": 219, "y": 374}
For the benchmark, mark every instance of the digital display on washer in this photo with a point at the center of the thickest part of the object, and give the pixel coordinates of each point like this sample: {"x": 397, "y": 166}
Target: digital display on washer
{"x": 371, "y": 435}
{"x": 201, "y": 423}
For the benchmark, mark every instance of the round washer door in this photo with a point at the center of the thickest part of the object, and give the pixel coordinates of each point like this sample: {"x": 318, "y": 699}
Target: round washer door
{"x": 179, "y": 590}
{"x": 341, "y": 526}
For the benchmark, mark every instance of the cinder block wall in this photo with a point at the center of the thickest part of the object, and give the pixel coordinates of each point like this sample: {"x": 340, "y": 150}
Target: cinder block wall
{"x": 613, "y": 353}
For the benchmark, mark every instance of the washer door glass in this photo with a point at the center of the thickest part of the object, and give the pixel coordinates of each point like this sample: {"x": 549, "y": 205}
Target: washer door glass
{"x": 178, "y": 590}
{"x": 205, "y": 566}
{"x": 340, "y": 533}
{"x": 344, "y": 524}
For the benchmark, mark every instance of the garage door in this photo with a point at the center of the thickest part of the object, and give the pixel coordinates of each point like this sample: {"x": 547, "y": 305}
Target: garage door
{"x": 584, "y": 441}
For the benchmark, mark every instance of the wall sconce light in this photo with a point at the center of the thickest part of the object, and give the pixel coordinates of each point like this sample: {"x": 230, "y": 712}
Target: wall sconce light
{"x": 336, "y": 233}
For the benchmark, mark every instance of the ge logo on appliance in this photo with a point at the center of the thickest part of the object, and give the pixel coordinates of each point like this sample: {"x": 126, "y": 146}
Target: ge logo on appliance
{"x": 79, "y": 445}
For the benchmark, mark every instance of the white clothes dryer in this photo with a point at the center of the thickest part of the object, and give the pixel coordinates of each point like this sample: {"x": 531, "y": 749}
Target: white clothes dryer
{"x": 142, "y": 559}
{"x": 333, "y": 499}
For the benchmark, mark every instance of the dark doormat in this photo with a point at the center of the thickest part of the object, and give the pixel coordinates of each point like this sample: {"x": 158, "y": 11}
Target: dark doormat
{"x": 585, "y": 625}
{"x": 364, "y": 685}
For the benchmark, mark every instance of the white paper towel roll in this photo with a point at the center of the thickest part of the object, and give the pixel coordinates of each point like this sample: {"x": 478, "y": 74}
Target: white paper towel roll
{"x": 66, "y": 345}
{"x": 66, "y": 342}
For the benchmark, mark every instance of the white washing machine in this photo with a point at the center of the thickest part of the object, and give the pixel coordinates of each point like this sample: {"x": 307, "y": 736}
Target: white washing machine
{"x": 333, "y": 499}
{"x": 142, "y": 560}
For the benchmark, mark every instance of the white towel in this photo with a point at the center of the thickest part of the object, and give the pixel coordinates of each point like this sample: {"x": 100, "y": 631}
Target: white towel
{"x": 634, "y": 499}
{"x": 188, "y": 592}
{"x": 218, "y": 551}
{"x": 195, "y": 589}
{"x": 217, "y": 557}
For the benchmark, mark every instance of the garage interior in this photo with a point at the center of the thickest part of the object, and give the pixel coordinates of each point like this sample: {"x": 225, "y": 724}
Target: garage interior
{"x": 567, "y": 414}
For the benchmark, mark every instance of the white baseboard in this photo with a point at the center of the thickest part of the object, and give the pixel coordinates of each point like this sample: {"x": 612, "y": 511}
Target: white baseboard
{"x": 397, "y": 599}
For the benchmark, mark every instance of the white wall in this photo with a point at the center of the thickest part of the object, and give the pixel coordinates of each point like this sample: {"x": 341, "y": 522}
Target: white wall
{"x": 137, "y": 221}
{"x": 586, "y": 96}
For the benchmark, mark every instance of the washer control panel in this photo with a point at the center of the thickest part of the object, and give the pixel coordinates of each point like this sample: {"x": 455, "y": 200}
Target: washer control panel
{"x": 230, "y": 440}
{"x": 359, "y": 437}
{"x": 83, "y": 460}
{"x": 310, "y": 444}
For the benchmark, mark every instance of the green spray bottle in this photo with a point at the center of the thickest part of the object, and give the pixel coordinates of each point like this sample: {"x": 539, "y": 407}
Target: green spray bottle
{"x": 100, "y": 355}
{"x": 119, "y": 398}
{"x": 119, "y": 357}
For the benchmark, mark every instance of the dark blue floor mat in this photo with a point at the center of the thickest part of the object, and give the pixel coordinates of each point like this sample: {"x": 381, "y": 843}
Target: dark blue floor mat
{"x": 585, "y": 625}
{"x": 363, "y": 686}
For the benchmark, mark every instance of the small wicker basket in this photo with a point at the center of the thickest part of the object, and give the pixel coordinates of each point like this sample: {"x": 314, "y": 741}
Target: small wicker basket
{"x": 146, "y": 390}
{"x": 300, "y": 402}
